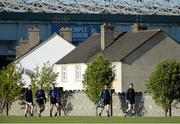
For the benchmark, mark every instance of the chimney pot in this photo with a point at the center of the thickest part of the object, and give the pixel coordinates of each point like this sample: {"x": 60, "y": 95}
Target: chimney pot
{"x": 139, "y": 27}
{"x": 66, "y": 33}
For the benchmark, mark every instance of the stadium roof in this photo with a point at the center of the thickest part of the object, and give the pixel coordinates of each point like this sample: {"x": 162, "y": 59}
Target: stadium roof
{"x": 132, "y": 7}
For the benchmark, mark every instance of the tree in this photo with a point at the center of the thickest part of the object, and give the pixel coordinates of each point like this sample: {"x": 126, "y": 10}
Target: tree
{"x": 99, "y": 72}
{"x": 10, "y": 85}
{"x": 164, "y": 84}
{"x": 44, "y": 76}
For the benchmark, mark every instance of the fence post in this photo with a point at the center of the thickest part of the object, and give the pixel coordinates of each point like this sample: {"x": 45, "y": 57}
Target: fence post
{"x": 112, "y": 91}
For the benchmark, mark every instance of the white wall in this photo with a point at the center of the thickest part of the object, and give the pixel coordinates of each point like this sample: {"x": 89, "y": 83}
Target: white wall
{"x": 52, "y": 51}
{"x": 72, "y": 84}
{"x": 117, "y": 83}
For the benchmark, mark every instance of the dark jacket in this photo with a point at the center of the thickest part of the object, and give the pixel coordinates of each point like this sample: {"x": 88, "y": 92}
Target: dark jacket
{"x": 28, "y": 96}
{"x": 53, "y": 94}
{"x": 130, "y": 95}
{"x": 40, "y": 95}
{"x": 105, "y": 95}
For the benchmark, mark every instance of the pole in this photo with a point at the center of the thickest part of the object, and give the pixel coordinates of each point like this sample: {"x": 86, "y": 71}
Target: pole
{"x": 112, "y": 91}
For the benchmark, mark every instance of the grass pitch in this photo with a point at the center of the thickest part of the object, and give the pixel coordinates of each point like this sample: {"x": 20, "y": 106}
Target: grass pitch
{"x": 88, "y": 119}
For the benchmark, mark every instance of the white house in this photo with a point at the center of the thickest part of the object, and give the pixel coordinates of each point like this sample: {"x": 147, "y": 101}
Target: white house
{"x": 134, "y": 56}
{"x": 51, "y": 50}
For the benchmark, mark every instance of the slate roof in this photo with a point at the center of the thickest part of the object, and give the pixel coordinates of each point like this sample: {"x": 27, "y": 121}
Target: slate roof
{"x": 122, "y": 45}
{"x": 127, "y": 43}
{"x": 83, "y": 51}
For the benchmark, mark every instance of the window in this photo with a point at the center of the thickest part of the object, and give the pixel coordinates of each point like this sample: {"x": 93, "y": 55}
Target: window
{"x": 64, "y": 73}
{"x": 114, "y": 68}
{"x": 77, "y": 72}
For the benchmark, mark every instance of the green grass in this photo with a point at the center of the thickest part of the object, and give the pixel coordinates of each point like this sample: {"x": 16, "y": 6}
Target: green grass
{"x": 87, "y": 119}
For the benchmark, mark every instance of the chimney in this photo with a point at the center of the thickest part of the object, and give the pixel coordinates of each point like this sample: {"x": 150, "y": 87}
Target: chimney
{"x": 21, "y": 48}
{"x": 107, "y": 31}
{"x": 33, "y": 36}
{"x": 27, "y": 44}
{"x": 66, "y": 34}
{"x": 139, "y": 27}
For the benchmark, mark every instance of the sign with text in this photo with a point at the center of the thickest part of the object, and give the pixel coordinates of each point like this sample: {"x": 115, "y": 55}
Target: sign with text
{"x": 80, "y": 32}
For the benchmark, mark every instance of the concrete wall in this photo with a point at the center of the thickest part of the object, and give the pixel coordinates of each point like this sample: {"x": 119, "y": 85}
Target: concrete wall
{"x": 137, "y": 66}
{"x": 76, "y": 103}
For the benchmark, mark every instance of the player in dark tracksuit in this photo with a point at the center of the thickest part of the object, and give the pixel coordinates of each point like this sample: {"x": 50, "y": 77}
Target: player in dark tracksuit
{"x": 53, "y": 100}
{"x": 130, "y": 99}
{"x": 40, "y": 99}
{"x": 105, "y": 98}
{"x": 29, "y": 100}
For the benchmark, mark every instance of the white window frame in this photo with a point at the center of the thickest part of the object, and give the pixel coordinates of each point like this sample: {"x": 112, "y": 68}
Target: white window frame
{"x": 78, "y": 76}
{"x": 114, "y": 68}
{"x": 64, "y": 73}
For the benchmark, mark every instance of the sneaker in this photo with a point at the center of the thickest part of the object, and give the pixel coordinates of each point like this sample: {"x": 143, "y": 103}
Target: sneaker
{"x": 25, "y": 115}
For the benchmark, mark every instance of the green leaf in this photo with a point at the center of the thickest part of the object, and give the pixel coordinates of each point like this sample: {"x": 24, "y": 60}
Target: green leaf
{"x": 98, "y": 73}
{"x": 164, "y": 83}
